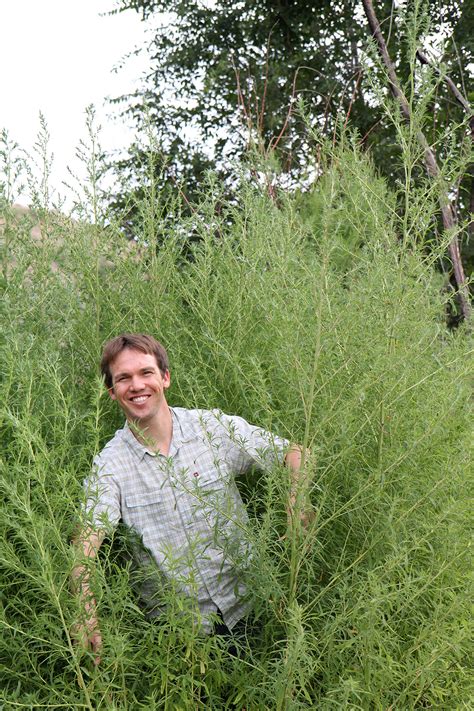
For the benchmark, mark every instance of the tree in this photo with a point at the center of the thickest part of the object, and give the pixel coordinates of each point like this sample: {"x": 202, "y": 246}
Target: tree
{"x": 429, "y": 158}
{"x": 225, "y": 74}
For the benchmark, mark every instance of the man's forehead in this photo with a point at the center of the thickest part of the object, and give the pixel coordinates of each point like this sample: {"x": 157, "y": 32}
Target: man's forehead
{"x": 132, "y": 358}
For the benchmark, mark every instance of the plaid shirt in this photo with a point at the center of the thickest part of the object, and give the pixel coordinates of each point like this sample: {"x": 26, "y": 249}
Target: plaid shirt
{"x": 185, "y": 507}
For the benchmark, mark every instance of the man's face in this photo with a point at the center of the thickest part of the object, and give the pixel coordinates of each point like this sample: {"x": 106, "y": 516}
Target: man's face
{"x": 138, "y": 385}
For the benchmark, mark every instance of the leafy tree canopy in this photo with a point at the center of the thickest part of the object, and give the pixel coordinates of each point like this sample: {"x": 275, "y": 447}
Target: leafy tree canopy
{"x": 227, "y": 73}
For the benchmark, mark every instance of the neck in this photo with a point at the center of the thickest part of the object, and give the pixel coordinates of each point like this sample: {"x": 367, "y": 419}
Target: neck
{"x": 156, "y": 433}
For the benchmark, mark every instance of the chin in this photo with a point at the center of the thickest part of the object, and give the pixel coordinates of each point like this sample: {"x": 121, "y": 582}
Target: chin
{"x": 140, "y": 416}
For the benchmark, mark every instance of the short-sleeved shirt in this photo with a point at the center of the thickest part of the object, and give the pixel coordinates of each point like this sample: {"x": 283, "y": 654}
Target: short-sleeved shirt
{"x": 185, "y": 507}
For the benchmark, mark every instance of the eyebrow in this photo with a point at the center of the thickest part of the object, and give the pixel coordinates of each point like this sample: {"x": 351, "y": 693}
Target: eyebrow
{"x": 125, "y": 373}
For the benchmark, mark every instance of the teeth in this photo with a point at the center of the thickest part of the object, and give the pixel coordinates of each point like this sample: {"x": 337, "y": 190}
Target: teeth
{"x": 142, "y": 398}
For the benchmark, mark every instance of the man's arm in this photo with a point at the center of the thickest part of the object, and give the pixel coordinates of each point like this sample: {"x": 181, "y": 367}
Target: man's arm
{"x": 298, "y": 495}
{"x": 87, "y": 630}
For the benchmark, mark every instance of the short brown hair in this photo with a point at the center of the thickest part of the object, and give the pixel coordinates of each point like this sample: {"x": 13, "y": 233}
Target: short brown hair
{"x": 140, "y": 342}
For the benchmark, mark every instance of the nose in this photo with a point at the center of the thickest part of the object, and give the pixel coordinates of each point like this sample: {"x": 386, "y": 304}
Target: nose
{"x": 136, "y": 383}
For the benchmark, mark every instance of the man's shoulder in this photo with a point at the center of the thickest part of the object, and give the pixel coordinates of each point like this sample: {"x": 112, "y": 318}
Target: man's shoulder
{"x": 114, "y": 446}
{"x": 195, "y": 414}
{"x": 198, "y": 419}
{"x": 215, "y": 424}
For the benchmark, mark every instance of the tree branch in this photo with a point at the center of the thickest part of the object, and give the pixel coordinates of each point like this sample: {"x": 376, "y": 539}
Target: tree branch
{"x": 455, "y": 91}
{"x": 467, "y": 108}
{"x": 449, "y": 221}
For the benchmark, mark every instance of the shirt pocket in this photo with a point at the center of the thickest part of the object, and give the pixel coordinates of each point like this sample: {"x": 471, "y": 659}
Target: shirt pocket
{"x": 142, "y": 509}
{"x": 133, "y": 501}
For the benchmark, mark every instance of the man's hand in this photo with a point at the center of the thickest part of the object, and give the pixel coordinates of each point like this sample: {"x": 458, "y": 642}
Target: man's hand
{"x": 306, "y": 515}
{"x": 86, "y": 631}
{"x": 298, "y": 498}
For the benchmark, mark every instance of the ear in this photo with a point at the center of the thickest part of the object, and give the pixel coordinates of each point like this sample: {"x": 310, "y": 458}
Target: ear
{"x": 112, "y": 393}
{"x": 166, "y": 379}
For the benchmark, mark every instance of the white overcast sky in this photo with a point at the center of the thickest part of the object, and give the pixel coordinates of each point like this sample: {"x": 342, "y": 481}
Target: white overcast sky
{"x": 57, "y": 57}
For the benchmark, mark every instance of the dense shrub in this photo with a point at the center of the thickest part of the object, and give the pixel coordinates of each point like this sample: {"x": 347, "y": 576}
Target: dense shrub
{"x": 262, "y": 317}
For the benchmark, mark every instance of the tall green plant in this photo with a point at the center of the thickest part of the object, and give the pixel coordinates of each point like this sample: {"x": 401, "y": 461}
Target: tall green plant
{"x": 265, "y": 317}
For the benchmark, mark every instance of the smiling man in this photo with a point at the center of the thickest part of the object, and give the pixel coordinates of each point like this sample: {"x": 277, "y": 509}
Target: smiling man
{"x": 169, "y": 475}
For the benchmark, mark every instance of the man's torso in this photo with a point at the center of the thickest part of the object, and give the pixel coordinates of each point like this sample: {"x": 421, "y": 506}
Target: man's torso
{"x": 185, "y": 508}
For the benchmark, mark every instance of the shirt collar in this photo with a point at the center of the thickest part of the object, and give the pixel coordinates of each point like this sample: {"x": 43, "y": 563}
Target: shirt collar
{"x": 183, "y": 432}
{"x": 137, "y": 447}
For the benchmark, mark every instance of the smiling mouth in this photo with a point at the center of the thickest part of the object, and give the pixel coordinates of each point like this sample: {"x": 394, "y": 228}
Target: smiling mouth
{"x": 138, "y": 400}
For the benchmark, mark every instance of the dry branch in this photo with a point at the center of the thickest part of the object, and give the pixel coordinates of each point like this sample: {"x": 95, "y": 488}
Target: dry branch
{"x": 455, "y": 91}
{"x": 467, "y": 108}
{"x": 447, "y": 213}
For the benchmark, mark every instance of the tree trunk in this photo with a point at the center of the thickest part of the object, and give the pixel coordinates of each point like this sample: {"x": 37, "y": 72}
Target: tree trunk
{"x": 447, "y": 213}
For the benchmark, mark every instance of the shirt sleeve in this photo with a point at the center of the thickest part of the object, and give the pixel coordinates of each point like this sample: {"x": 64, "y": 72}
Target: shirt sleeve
{"x": 251, "y": 445}
{"x": 102, "y": 496}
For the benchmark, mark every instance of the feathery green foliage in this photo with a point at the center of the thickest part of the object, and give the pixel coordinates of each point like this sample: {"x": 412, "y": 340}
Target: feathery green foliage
{"x": 262, "y": 317}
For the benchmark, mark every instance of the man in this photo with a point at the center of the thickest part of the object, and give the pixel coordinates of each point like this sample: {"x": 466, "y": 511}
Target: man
{"x": 169, "y": 475}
